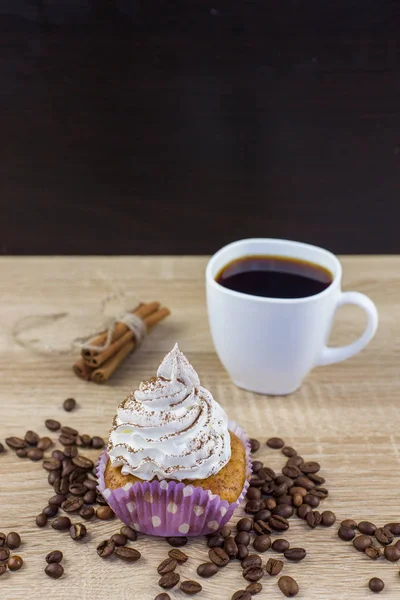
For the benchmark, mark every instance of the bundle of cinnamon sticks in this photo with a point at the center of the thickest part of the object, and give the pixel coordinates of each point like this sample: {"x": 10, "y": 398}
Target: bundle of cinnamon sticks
{"x": 98, "y": 365}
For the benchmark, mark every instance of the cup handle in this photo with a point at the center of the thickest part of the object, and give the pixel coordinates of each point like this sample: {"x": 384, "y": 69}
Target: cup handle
{"x": 333, "y": 355}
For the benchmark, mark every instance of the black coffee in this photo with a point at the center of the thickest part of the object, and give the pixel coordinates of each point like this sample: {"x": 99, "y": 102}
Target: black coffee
{"x": 274, "y": 277}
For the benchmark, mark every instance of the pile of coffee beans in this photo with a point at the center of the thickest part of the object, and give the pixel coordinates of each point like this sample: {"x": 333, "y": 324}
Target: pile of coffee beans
{"x": 116, "y": 545}
{"x": 10, "y": 541}
{"x": 170, "y": 578}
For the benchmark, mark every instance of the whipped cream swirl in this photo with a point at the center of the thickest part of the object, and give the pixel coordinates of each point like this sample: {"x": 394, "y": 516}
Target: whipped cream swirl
{"x": 171, "y": 427}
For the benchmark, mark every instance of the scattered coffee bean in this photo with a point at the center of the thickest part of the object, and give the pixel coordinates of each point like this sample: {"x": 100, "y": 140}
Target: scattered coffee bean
{"x": 78, "y": 489}
{"x": 35, "y": 454}
{"x": 253, "y": 573}
{"x": 177, "y": 542}
{"x": 77, "y": 531}
{"x": 13, "y": 540}
{"x": 304, "y": 482}
{"x": 15, "y": 443}
{"x": 86, "y": 512}
{"x": 54, "y": 570}
{"x": 270, "y": 503}
{"x": 254, "y": 445}
{"x": 284, "y": 510}
{"x": 241, "y": 595}
{"x": 51, "y": 464}
{"x": 262, "y": 515}
{"x": 230, "y": 547}
{"x": 384, "y": 536}
{"x": 243, "y": 551}
{"x": 262, "y": 543}
{"x": 312, "y": 501}
{"x": 295, "y": 554}
{"x": 57, "y": 499}
{"x": 310, "y": 467}
{"x": 225, "y": 531}
{"x": 31, "y": 438}
{"x": 291, "y": 471}
{"x": 366, "y": 527}
{"x": 303, "y": 511}
{"x": 346, "y": 533}
{"x": 313, "y": 519}
{"x": 52, "y": 424}
{"x": 3, "y": 569}
{"x": 297, "y": 500}
{"x": 70, "y": 451}
{"x": 253, "y": 493}
{"x": 280, "y": 545}
{"x": 328, "y": 518}
{"x": 361, "y": 542}
{"x": 21, "y": 452}
{"x": 127, "y": 553}
{"x": 106, "y": 548}
{"x": 392, "y": 553}
{"x": 73, "y": 504}
{"x": 55, "y": 556}
{"x": 50, "y": 511}
{"x": 285, "y": 499}
{"x": 163, "y": 596}
{"x": 252, "y": 506}
{"x": 41, "y": 520}
{"x": 169, "y": 580}
{"x": 167, "y": 565}
{"x": 244, "y": 524}
{"x": 67, "y": 440}
{"x": 190, "y": 587}
{"x": 320, "y": 493}
{"x": 215, "y": 541}
{"x": 257, "y": 465}
{"x": 178, "y": 555}
{"x": 15, "y": 563}
{"x": 278, "y": 523}
{"x": 44, "y": 443}
{"x": 274, "y": 566}
{"x": 83, "y": 441}
{"x": 373, "y": 552}
{"x": 288, "y": 586}
{"x": 97, "y": 442}
{"x": 281, "y": 489}
{"x": 104, "y": 513}
{"x": 4, "y": 554}
{"x": 252, "y": 560}
{"x": 207, "y": 569}
{"x": 218, "y": 556}
{"x": 275, "y": 443}
{"x": 288, "y": 451}
{"x": 69, "y": 404}
{"x": 61, "y": 523}
{"x": 242, "y": 538}
{"x": 261, "y": 528}
{"x": 295, "y": 460}
{"x": 119, "y": 539}
{"x": 254, "y": 588}
{"x": 3, "y": 538}
{"x": 376, "y": 585}
{"x": 394, "y": 528}
{"x": 82, "y": 462}
{"x": 349, "y": 524}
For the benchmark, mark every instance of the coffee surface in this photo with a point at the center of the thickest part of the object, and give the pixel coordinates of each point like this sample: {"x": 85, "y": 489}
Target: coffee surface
{"x": 274, "y": 277}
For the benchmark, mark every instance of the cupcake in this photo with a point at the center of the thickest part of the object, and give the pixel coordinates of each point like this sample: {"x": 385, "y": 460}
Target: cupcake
{"x": 174, "y": 464}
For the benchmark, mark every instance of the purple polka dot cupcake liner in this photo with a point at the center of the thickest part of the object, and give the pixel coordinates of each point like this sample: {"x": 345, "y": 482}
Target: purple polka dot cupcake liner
{"x": 169, "y": 508}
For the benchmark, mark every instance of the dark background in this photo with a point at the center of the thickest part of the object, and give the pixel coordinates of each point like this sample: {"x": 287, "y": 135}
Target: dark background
{"x": 164, "y": 127}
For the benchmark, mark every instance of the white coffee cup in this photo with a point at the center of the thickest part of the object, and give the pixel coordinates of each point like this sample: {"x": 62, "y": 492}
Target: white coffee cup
{"x": 268, "y": 345}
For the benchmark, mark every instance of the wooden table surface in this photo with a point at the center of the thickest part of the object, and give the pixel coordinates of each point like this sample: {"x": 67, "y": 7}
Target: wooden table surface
{"x": 345, "y": 416}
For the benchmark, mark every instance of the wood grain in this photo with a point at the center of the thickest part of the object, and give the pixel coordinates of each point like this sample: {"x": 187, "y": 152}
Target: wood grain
{"x": 345, "y": 416}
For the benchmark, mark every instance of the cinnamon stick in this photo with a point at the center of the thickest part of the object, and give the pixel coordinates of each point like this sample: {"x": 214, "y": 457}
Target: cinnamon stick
{"x": 141, "y": 311}
{"x": 104, "y": 372}
{"x": 82, "y": 370}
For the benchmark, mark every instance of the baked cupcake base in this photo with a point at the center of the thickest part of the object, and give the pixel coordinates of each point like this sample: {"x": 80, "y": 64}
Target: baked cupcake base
{"x": 168, "y": 508}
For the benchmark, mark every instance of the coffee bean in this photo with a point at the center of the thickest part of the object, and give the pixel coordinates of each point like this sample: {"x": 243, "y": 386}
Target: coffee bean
{"x": 361, "y": 542}
{"x": 54, "y": 570}
{"x": 207, "y": 569}
{"x": 366, "y": 527}
{"x": 252, "y": 506}
{"x": 261, "y": 528}
{"x": 73, "y": 504}
{"x": 215, "y": 541}
{"x": 394, "y": 528}
{"x": 288, "y": 586}
{"x": 304, "y": 483}
{"x": 119, "y": 539}
{"x": 268, "y": 488}
{"x": 3, "y": 569}
{"x": 169, "y": 580}
{"x": 57, "y": 499}
{"x": 254, "y": 445}
{"x": 241, "y": 595}
{"x": 278, "y": 523}
{"x": 84, "y": 440}
{"x": 3, "y": 538}
{"x": 77, "y": 531}
{"x": 90, "y": 484}
{"x": 15, "y": 563}
{"x": 163, "y": 596}
{"x": 51, "y": 464}
{"x": 70, "y": 451}
{"x": 77, "y": 476}
{"x": 288, "y": 451}
{"x": 262, "y": 515}
{"x": 297, "y": 500}
{"x": 177, "y": 542}
{"x": 328, "y": 518}
{"x": 127, "y": 553}
{"x": 61, "y": 486}
{"x": 41, "y": 520}
{"x": 317, "y": 479}
{"x": 296, "y": 489}
{"x": 106, "y": 548}
{"x": 349, "y": 524}
{"x": 230, "y": 547}
{"x": 373, "y": 552}
{"x": 82, "y": 462}
{"x": 167, "y": 565}
{"x": 376, "y": 585}
{"x": 303, "y": 511}
{"x": 313, "y": 519}
{"x": 257, "y": 465}
{"x": 44, "y": 443}
{"x": 53, "y": 476}
{"x": 392, "y": 553}
{"x": 131, "y": 534}
{"x": 225, "y": 531}
{"x": 13, "y": 540}
{"x": 275, "y": 443}
{"x": 243, "y": 551}
{"x": 218, "y": 556}
{"x": 267, "y": 473}
{"x": 78, "y": 489}
{"x": 190, "y": 587}
{"x": 252, "y": 560}
{"x": 285, "y": 499}
{"x": 253, "y": 493}
{"x": 291, "y": 471}
{"x": 243, "y": 537}
{"x": 253, "y": 573}
{"x": 284, "y": 510}
{"x": 295, "y": 460}
{"x": 274, "y": 566}
{"x": 254, "y": 588}
{"x": 346, "y": 533}
{"x": 61, "y": 523}
{"x": 97, "y": 442}
{"x": 281, "y": 489}
{"x": 15, "y": 443}
{"x": 178, "y": 555}
{"x": 262, "y": 543}
{"x": 270, "y": 503}
{"x": 50, "y": 511}
{"x": 310, "y": 467}
{"x": 67, "y": 468}
{"x": 280, "y": 545}
{"x": 104, "y": 513}
{"x": 384, "y": 536}
{"x": 320, "y": 493}
{"x": 67, "y": 440}
{"x": 295, "y": 554}
{"x": 31, "y": 438}
{"x": 4, "y": 554}
{"x": 52, "y": 425}
{"x": 312, "y": 501}
{"x": 86, "y": 512}
{"x": 55, "y": 556}
{"x": 69, "y": 404}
